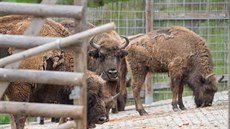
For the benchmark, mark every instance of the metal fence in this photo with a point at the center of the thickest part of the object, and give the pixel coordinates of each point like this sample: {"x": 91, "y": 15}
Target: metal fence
{"x": 208, "y": 18}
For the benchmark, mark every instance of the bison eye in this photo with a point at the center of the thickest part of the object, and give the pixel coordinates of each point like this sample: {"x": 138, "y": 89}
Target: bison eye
{"x": 121, "y": 53}
{"x": 101, "y": 56}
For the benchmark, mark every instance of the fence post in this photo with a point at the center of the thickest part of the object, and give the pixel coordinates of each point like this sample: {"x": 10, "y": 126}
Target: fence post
{"x": 148, "y": 28}
{"x": 228, "y": 64}
{"x": 80, "y": 64}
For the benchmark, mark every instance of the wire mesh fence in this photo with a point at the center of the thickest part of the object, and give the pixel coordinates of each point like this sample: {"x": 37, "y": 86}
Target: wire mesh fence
{"x": 208, "y": 18}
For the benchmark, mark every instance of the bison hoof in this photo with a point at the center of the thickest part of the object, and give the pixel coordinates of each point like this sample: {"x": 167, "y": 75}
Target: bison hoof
{"x": 183, "y": 108}
{"x": 114, "y": 110}
{"x": 142, "y": 112}
{"x": 91, "y": 126}
{"x": 176, "y": 109}
{"x": 41, "y": 122}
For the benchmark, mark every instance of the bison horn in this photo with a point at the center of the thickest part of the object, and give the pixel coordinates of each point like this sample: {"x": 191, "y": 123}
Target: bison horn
{"x": 207, "y": 78}
{"x": 125, "y": 44}
{"x": 94, "y": 45}
{"x": 109, "y": 100}
{"x": 115, "y": 96}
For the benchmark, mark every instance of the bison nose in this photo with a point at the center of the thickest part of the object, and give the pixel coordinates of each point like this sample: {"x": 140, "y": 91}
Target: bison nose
{"x": 112, "y": 72}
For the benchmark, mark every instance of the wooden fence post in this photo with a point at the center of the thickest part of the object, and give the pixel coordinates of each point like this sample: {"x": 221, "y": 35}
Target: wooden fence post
{"x": 149, "y": 26}
{"x": 228, "y": 64}
{"x": 80, "y": 64}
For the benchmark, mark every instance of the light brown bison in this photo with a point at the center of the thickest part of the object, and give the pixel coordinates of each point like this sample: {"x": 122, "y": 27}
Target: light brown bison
{"x": 180, "y": 52}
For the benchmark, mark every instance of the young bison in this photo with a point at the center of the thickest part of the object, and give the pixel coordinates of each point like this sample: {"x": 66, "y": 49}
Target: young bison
{"x": 180, "y": 52}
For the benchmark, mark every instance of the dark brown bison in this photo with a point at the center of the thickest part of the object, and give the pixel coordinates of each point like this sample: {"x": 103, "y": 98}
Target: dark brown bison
{"x": 180, "y": 52}
{"x": 106, "y": 57}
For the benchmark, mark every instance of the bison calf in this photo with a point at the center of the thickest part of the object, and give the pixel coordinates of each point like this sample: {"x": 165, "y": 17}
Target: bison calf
{"x": 180, "y": 52}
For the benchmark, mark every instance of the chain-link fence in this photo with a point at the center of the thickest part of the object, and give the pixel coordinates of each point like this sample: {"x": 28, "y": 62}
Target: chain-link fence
{"x": 208, "y": 18}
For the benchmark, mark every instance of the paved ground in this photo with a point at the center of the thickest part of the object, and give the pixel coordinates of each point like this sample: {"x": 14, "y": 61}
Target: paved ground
{"x": 161, "y": 116}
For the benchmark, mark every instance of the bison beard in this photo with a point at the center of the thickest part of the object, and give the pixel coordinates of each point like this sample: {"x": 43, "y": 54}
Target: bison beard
{"x": 180, "y": 52}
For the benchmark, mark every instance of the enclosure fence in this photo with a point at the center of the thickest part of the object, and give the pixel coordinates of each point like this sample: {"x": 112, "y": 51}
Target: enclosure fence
{"x": 207, "y": 18}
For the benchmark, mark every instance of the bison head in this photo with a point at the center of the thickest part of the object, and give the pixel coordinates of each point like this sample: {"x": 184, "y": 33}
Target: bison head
{"x": 96, "y": 108}
{"x": 205, "y": 90}
{"x": 97, "y": 101}
{"x": 107, "y": 55}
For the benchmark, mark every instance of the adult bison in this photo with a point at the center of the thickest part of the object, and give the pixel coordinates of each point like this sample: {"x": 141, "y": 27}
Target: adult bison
{"x": 180, "y": 52}
{"x": 106, "y": 57}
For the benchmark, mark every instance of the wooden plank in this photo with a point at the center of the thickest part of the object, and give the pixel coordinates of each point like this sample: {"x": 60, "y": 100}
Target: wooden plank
{"x": 80, "y": 63}
{"x": 41, "y": 10}
{"x": 36, "y": 109}
{"x": 42, "y": 77}
{"x": 228, "y": 64}
{"x": 148, "y": 28}
{"x": 189, "y": 16}
{"x": 58, "y": 44}
{"x": 23, "y": 41}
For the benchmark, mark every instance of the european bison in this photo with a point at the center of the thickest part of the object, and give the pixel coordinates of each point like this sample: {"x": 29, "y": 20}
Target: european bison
{"x": 180, "y": 52}
{"x": 106, "y": 57}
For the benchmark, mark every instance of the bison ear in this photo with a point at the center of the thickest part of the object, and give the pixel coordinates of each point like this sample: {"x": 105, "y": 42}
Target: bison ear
{"x": 122, "y": 53}
{"x": 205, "y": 80}
{"x": 93, "y": 53}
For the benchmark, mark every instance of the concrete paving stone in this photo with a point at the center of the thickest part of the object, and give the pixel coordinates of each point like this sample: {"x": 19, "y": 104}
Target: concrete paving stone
{"x": 177, "y": 120}
{"x": 210, "y": 117}
{"x": 161, "y": 116}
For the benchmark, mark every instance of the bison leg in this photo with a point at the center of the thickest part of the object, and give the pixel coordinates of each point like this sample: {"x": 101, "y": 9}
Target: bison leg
{"x": 107, "y": 114}
{"x": 137, "y": 83}
{"x": 180, "y": 100}
{"x": 42, "y": 120}
{"x": 18, "y": 121}
{"x": 121, "y": 102}
{"x": 176, "y": 82}
{"x": 114, "y": 109}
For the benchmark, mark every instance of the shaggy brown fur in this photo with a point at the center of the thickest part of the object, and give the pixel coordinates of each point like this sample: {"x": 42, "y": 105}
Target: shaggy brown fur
{"x": 58, "y": 60}
{"x": 69, "y": 24}
{"x": 180, "y": 52}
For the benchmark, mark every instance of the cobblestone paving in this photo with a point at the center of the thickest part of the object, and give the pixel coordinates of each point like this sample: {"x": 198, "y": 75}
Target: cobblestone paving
{"x": 161, "y": 116}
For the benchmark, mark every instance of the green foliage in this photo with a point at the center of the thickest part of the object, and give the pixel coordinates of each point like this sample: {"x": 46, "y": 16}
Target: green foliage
{"x": 4, "y": 119}
{"x": 99, "y": 3}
